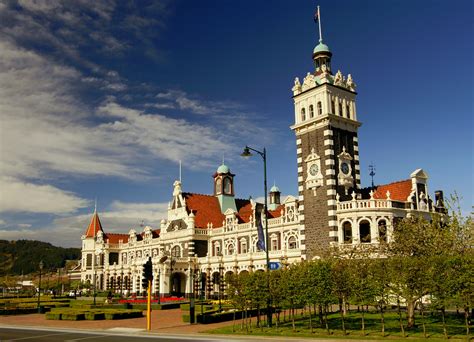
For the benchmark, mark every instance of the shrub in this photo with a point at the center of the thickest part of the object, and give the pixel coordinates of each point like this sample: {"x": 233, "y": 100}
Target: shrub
{"x": 53, "y": 315}
{"x": 73, "y": 316}
{"x": 94, "y": 316}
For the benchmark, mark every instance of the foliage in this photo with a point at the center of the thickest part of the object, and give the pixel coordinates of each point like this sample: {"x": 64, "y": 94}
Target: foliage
{"x": 22, "y": 256}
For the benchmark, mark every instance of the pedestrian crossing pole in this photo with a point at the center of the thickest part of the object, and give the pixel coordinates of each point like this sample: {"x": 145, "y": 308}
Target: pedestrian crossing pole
{"x": 148, "y": 307}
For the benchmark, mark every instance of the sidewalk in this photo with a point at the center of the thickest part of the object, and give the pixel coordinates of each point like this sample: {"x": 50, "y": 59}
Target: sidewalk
{"x": 165, "y": 321}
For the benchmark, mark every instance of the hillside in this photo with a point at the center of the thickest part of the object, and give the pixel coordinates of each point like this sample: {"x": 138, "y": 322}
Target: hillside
{"x": 23, "y": 256}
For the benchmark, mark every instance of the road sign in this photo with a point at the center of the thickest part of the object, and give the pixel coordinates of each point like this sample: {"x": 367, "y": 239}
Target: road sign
{"x": 274, "y": 266}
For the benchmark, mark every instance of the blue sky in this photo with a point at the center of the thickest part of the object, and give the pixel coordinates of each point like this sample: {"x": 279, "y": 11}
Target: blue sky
{"x": 101, "y": 99}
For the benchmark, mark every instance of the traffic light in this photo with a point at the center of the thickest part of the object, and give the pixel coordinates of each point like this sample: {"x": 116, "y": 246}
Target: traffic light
{"x": 147, "y": 273}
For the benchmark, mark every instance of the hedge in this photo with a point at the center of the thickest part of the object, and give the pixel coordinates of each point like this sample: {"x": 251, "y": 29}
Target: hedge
{"x": 53, "y": 315}
{"x": 73, "y": 316}
{"x": 94, "y": 316}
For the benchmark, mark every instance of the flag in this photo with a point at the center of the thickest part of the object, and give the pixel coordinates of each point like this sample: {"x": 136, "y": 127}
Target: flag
{"x": 316, "y": 15}
{"x": 261, "y": 236}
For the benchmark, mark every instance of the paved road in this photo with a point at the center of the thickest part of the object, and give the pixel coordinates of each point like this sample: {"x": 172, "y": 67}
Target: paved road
{"x": 119, "y": 335}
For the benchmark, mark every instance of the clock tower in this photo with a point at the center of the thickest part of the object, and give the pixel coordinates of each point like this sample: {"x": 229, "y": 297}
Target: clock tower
{"x": 326, "y": 146}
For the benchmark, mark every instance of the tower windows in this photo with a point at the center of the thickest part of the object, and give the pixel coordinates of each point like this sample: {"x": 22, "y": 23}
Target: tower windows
{"x": 348, "y": 111}
{"x": 218, "y": 186}
{"x": 303, "y": 114}
{"x": 227, "y": 186}
{"x": 311, "y": 111}
{"x": 320, "y": 108}
{"x": 333, "y": 107}
{"x": 340, "y": 108}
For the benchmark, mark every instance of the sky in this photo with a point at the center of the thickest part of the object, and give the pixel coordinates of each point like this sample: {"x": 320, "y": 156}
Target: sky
{"x": 100, "y": 100}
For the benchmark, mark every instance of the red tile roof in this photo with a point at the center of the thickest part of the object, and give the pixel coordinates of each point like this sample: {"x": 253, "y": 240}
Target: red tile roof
{"x": 94, "y": 226}
{"x": 277, "y": 211}
{"x": 399, "y": 191}
{"x": 244, "y": 208}
{"x": 206, "y": 209}
{"x": 115, "y": 238}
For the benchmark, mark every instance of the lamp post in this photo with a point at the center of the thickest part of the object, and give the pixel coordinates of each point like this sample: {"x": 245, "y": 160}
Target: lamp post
{"x": 39, "y": 285}
{"x": 246, "y": 153}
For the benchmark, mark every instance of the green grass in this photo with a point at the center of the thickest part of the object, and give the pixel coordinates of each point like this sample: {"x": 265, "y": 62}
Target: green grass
{"x": 455, "y": 327}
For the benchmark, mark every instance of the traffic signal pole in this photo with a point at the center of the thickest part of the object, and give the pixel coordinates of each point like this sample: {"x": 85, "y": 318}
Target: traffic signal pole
{"x": 148, "y": 307}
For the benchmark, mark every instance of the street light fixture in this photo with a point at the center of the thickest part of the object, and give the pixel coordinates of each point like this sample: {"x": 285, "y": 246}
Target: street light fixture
{"x": 246, "y": 153}
{"x": 39, "y": 285}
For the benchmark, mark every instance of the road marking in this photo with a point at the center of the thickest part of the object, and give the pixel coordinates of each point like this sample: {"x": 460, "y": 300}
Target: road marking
{"x": 86, "y": 338}
{"x": 41, "y": 336}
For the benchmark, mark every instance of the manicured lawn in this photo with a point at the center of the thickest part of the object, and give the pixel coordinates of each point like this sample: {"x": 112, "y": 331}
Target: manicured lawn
{"x": 434, "y": 329}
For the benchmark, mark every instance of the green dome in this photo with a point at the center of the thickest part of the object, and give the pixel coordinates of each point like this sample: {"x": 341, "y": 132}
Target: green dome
{"x": 274, "y": 189}
{"x": 321, "y": 47}
{"x": 223, "y": 169}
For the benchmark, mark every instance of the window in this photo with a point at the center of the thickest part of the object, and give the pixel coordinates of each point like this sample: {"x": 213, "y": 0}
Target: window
{"x": 89, "y": 260}
{"x": 243, "y": 247}
{"x": 176, "y": 251}
{"x": 274, "y": 246}
{"x": 340, "y": 108}
{"x": 303, "y": 114}
{"x": 230, "y": 249}
{"x": 217, "y": 249}
{"x": 347, "y": 232}
{"x": 218, "y": 186}
{"x": 311, "y": 111}
{"x": 320, "y": 108}
{"x": 227, "y": 186}
{"x": 382, "y": 231}
{"x": 364, "y": 231}
{"x": 348, "y": 111}
{"x": 333, "y": 107}
{"x": 292, "y": 243}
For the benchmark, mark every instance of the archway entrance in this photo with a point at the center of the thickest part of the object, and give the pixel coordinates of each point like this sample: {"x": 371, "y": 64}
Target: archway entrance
{"x": 178, "y": 284}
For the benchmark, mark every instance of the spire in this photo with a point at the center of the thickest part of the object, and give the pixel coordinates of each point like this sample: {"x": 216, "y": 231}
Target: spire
{"x": 94, "y": 226}
{"x": 317, "y": 18}
{"x": 321, "y": 53}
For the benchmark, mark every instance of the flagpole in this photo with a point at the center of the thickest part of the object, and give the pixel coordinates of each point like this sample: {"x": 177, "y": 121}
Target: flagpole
{"x": 319, "y": 22}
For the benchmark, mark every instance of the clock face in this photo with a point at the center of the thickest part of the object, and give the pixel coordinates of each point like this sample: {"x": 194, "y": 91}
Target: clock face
{"x": 313, "y": 169}
{"x": 345, "y": 168}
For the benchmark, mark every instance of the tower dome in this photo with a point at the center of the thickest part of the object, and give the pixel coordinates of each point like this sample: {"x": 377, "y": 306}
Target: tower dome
{"x": 321, "y": 47}
{"x": 223, "y": 169}
{"x": 274, "y": 188}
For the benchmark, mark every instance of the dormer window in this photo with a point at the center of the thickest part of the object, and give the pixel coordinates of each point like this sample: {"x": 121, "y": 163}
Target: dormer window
{"x": 303, "y": 114}
{"x": 320, "y": 108}
{"x": 311, "y": 111}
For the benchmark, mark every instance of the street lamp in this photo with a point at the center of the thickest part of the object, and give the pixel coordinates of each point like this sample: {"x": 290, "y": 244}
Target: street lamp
{"x": 39, "y": 285}
{"x": 246, "y": 153}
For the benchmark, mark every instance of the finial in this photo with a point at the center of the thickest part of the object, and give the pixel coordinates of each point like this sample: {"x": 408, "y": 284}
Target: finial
{"x": 95, "y": 206}
{"x": 317, "y": 19}
{"x": 372, "y": 173}
{"x": 223, "y": 159}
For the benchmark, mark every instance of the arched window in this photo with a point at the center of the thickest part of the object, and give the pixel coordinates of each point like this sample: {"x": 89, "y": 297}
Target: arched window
{"x": 292, "y": 243}
{"x": 364, "y": 231}
{"x": 348, "y": 111}
{"x": 274, "y": 243}
{"x": 340, "y": 108}
{"x": 347, "y": 232}
{"x": 382, "y": 231}
{"x": 176, "y": 252}
{"x": 230, "y": 249}
{"x": 311, "y": 111}
{"x": 227, "y": 186}
{"x": 333, "y": 107}
{"x": 320, "y": 108}
{"x": 303, "y": 114}
{"x": 218, "y": 186}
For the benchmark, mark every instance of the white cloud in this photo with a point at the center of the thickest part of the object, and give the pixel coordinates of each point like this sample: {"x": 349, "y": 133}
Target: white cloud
{"x": 17, "y": 196}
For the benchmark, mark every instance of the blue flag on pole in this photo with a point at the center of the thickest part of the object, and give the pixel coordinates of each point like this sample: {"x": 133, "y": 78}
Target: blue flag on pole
{"x": 261, "y": 236}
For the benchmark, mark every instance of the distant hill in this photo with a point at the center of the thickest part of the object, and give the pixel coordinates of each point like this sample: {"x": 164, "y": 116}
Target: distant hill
{"x": 23, "y": 256}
